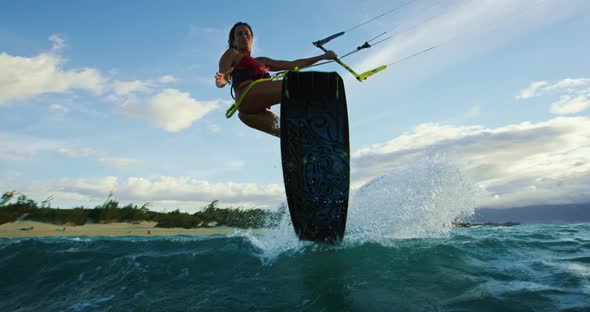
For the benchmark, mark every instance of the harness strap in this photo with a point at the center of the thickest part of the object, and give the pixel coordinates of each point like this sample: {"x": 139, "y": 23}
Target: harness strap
{"x": 236, "y": 105}
{"x": 241, "y": 74}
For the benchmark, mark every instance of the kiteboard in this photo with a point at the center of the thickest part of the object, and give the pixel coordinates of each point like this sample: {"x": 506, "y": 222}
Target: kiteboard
{"x": 315, "y": 154}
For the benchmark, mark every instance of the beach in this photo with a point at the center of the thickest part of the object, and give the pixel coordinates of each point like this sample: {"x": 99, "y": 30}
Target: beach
{"x": 39, "y": 229}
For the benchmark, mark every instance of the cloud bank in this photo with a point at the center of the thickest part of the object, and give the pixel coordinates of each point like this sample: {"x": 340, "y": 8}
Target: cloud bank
{"x": 574, "y": 94}
{"x": 162, "y": 192}
{"x": 23, "y": 77}
{"x": 171, "y": 110}
{"x": 166, "y": 108}
{"x": 516, "y": 165}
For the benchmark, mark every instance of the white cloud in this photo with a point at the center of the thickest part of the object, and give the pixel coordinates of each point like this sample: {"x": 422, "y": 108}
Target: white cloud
{"x": 197, "y": 31}
{"x": 574, "y": 98}
{"x": 58, "y": 43}
{"x": 171, "y": 109}
{"x": 474, "y": 111}
{"x": 23, "y": 147}
{"x": 423, "y": 136}
{"x": 528, "y": 163}
{"x": 185, "y": 188}
{"x": 570, "y": 105}
{"x": 140, "y": 86}
{"x": 167, "y": 79}
{"x": 514, "y": 165}
{"x": 100, "y": 157}
{"x": 68, "y": 191}
{"x": 77, "y": 153}
{"x": 161, "y": 192}
{"x": 23, "y": 77}
{"x": 570, "y": 84}
{"x": 129, "y": 87}
{"x": 214, "y": 128}
{"x": 539, "y": 88}
{"x": 470, "y": 114}
{"x": 97, "y": 188}
{"x": 532, "y": 90}
{"x": 58, "y": 108}
{"x": 234, "y": 164}
{"x": 120, "y": 162}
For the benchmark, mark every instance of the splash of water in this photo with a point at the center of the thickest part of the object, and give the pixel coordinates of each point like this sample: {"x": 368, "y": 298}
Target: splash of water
{"x": 272, "y": 242}
{"x": 422, "y": 199}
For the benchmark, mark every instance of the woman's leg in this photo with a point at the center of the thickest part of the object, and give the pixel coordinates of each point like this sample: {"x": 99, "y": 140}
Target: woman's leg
{"x": 253, "y": 111}
{"x": 261, "y": 96}
{"x": 264, "y": 121}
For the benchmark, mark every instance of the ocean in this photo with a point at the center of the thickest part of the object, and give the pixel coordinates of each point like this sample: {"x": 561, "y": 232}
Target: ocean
{"x": 400, "y": 253}
{"x": 520, "y": 268}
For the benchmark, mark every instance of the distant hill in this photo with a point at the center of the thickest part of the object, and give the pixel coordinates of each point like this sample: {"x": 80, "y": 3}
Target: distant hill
{"x": 571, "y": 213}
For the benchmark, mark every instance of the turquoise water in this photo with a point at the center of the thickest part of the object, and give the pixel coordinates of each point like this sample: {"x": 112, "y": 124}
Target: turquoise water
{"x": 399, "y": 254}
{"x": 521, "y": 268}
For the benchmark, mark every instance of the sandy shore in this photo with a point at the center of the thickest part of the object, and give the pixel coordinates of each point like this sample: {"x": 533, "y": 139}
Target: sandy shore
{"x": 38, "y": 229}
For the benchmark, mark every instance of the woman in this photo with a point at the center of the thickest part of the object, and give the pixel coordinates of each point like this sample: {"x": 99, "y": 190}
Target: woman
{"x": 237, "y": 64}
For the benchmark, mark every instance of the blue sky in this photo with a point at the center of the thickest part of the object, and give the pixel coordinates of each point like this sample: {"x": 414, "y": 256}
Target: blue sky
{"x": 120, "y": 96}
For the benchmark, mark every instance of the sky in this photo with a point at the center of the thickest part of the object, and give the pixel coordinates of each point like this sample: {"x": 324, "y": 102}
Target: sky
{"x": 119, "y": 96}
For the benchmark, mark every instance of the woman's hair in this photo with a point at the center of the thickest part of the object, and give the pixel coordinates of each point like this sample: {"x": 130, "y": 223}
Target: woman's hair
{"x": 230, "y": 42}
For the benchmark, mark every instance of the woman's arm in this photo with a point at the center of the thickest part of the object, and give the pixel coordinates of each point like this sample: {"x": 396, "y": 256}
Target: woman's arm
{"x": 275, "y": 65}
{"x": 226, "y": 64}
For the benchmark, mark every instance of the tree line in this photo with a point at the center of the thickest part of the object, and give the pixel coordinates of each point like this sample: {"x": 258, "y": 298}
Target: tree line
{"x": 15, "y": 206}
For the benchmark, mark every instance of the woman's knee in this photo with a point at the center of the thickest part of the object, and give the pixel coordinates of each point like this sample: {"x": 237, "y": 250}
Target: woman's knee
{"x": 265, "y": 121}
{"x": 251, "y": 119}
{"x": 246, "y": 117}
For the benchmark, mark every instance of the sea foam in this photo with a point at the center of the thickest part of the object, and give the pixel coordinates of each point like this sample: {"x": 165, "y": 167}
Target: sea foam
{"x": 420, "y": 200}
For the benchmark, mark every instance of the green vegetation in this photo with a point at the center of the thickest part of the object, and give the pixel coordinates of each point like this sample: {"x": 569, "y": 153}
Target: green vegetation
{"x": 15, "y": 206}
